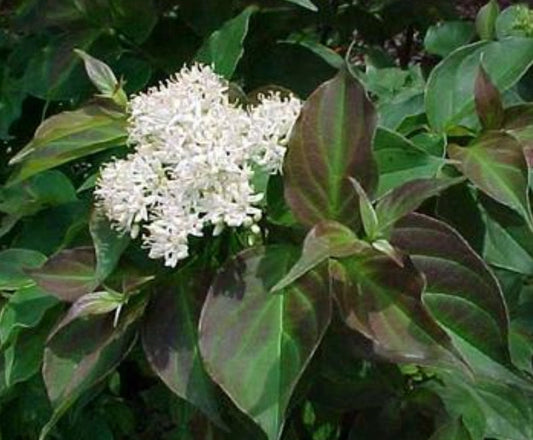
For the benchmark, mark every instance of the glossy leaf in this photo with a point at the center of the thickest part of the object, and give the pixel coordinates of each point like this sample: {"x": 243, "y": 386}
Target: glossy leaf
{"x": 405, "y": 199}
{"x": 488, "y": 101}
{"x": 461, "y": 292}
{"x": 449, "y": 92}
{"x": 486, "y": 20}
{"x": 224, "y": 47}
{"x": 325, "y": 240}
{"x": 109, "y": 244}
{"x": 170, "y": 341}
{"x": 443, "y": 38}
{"x": 400, "y": 161}
{"x": 330, "y": 142}
{"x": 68, "y": 136}
{"x": 255, "y": 344}
{"x": 383, "y": 301}
{"x": 68, "y": 275}
{"x": 496, "y": 164}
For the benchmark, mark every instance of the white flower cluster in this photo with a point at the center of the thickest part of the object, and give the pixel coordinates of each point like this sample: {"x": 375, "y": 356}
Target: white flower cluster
{"x": 195, "y": 154}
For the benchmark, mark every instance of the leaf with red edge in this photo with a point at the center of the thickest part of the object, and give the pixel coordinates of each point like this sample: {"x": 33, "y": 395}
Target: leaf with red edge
{"x": 488, "y": 101}
{"x": 461, "y": 292}
{"x": 256, "y": 344}
{"x": 68, "y": 274}
{"x": 330, "y": 142}
{"x": 496, "y": 164}
{"x": 170, "y": 341}
{"x": 383, "y": 301}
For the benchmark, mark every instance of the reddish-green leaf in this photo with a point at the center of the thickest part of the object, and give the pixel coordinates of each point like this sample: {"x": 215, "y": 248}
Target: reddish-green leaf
{"x": 67, "y": 275}
{"x": 461, "y": 292}
{"x": 488, "y": 101}
{"x": 325, "y": 240}
{"x": 330, "y": 142}
{"x": 170, "y": 341}
{"x": 82, "y": 352}
{"x": 383, "y": 301}
{"x": 68, "y": 136}
{"x": 496, "y": 164}
{"x": 256, "y": 344}
{"x": 405, "y": 199}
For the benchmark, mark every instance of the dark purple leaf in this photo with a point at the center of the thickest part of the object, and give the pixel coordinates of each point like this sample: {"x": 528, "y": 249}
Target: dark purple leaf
{"x": 170, "y": 341}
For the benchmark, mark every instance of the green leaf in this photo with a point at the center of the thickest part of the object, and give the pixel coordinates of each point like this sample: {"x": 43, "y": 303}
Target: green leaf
{"x": 170, "y": 341}
{"x": 96, "y": 303}
{"x": 24, "y": 354}
{"x": 496, "y": 164}
{"x": 24, "y": 309}
{"x": 405, "y": 199}
{"x": 68, "y": 136}
{"x": 13, "y": 263}
{"x": 82, "y": 352}
{"x": 308, "y": 4}
{"x": 461, "y": 292}
{"x": 450, "y": 87}
{"x": 367, "y": 212}
{"x": 255, "y": 344}
{"x": 49, "y": 188}
{"x": 486, "y": 20}
{"x": 383, "y": 301}
{"x": 488, "y": 101}
{"x": 400, "y": 161}
{"x": 489, "y": 409}
{"x": 103, "y": 78}
{"x": 67, "y": 275}
{"x": 108, "y": 244}
{"x": 330, "y": 142}
{"x": 224, "y": 47}
{"x": 513, "y": 22}
{"x": 454, "y": 430}
{"x": 508, "y": 241}
{"x": 443, "y": 38}
{"x": 326, "y": 240}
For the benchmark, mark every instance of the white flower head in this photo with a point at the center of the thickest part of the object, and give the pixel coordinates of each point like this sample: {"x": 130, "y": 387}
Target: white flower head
{"x": 194, "y": 152}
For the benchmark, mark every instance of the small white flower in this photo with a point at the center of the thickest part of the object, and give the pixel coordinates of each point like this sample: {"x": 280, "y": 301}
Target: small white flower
{"x": 194, "y": 152}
